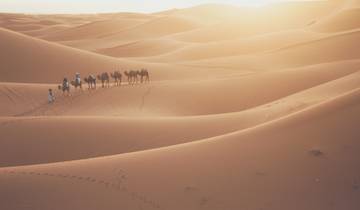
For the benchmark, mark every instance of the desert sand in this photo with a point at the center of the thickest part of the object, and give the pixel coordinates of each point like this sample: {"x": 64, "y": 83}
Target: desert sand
{"x": 247, "y": 109}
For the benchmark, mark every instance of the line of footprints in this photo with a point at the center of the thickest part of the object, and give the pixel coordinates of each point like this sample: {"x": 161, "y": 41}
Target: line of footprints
{"x": 119, "y": 185}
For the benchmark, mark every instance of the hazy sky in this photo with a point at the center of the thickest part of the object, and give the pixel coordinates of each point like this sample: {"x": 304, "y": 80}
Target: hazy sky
{"x": 94, "y": 6}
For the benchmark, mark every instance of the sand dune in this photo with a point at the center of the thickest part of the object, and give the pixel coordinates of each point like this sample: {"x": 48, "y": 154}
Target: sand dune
{"x": 179, "y": 98}
{"x": 343, "y": 20}
{"x": 243, "y": 25}
{"x": 335, "y": 47}
{"x": 247, "y": 108}
{"x": 46, "y": 30}
{"x": 351, "y": 3}
{"x": 93, "y": 29}
{"x": 32, "y": 60}
{"x": 242, "y": 46}
{"x": 25, "y": 22}
{"x": 119, "y": 136}
{"x": 144, "y": 48}
{"x": 29, "y": 59}
{"x": 212, "y": 184}
{"x": 156, "y": 28}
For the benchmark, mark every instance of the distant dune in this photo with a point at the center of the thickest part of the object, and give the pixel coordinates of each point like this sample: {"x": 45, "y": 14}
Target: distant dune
{"x": 93, "y": 29}
{"x": 246, "y": 108}
{"x": 31, "y": 59}
{"x": 347, "y": 19}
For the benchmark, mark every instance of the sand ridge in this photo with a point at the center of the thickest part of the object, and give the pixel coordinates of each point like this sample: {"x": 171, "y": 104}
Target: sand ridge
{"x": 246, "y": 108}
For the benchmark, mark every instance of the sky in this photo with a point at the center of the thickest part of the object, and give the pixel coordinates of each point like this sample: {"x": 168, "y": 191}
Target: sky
{"x": 101, "y": 6}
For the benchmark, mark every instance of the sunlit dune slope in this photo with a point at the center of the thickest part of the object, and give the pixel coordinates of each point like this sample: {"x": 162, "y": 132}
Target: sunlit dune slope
{"x": 268, "y": 19}
{"x": 148, "y": 47}
{"x": 332, "y": 48}
{"x": 93, "y": 29}
{"x": 241, "y": 46}
{"x": 157, "y": 27}
{"x": 107, "y": 36}
{"x": 347, "y": 19}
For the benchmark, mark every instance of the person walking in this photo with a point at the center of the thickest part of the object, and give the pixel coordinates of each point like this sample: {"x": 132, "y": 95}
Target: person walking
{"x": 51, "y": 96}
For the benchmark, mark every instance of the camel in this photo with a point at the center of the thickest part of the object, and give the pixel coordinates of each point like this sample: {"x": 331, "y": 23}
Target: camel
{"x": 91, "y": 81}
{"x": 118, "y": 77}
{"x": 64, "y": 89}
{"x": 105, "y": 79}
{"x": 144, "y": 76}
{"x": 76, "y": 84}
{"x": 132, "y": 76}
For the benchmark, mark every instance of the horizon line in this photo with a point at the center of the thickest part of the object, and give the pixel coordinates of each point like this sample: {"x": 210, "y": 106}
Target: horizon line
{"x": 160, "y": 10}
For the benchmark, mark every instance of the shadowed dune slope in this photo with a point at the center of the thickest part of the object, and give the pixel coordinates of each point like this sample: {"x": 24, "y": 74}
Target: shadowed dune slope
{"x": 205, "y": 173}
{"x": 25, "y": 59}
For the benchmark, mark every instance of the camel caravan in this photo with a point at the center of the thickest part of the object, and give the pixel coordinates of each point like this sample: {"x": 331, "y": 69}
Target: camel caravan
{"x": 134, "y": 77}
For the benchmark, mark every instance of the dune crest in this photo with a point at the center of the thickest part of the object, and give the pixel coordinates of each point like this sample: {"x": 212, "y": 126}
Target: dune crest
{"x": 245, "y": 108}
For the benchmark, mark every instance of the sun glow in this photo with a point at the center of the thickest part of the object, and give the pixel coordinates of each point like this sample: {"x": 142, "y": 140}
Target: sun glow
{"x": 252, "y": 3}
{"x": 97, "y": 6}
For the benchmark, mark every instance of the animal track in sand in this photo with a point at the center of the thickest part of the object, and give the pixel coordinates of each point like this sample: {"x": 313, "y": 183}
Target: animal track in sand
{"x": 201, "y": 199}
{"x": 260, "y": 173}
{"x": 143, "y": 98}
{"x": 118, "y": 186}
{"x": 190, "y": 189}
{"x": 316, "y": 153}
